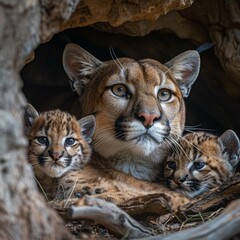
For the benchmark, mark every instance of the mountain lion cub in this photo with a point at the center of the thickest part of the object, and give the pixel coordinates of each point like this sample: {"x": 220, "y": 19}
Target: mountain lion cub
{"x": 138, "y": 105}
{"x": 201, "y": 162}
{"x": 58, "y": 144}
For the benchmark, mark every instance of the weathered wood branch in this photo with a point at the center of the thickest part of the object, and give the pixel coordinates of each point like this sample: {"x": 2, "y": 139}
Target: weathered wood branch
{"x": 110, "y": 216}
{"x": 116, "y": 218}
{"x": 121, "y": 224}
{"x": 147, "y": 204}
{"x": 222, "y": 227}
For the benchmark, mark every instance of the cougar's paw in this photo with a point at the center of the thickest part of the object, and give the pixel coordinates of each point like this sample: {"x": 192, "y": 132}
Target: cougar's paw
{"x": 88, "y": 191}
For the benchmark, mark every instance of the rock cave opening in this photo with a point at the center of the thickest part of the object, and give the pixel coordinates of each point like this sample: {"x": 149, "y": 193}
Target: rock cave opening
{"x": 212, "y": 104}
{"x": 46, "y": 85}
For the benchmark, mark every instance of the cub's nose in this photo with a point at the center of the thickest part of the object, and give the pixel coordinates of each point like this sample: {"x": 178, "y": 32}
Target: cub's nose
{"x": 148, "y": 118}
{"x": 55, "y": 155}
{"x": 180, "y": 180}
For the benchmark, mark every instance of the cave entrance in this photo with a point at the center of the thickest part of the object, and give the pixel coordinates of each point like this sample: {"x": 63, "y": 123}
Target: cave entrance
{"x": 46, "y": 84}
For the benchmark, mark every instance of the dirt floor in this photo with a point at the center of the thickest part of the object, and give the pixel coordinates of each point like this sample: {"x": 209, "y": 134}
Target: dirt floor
{"x": 168, "y": 223}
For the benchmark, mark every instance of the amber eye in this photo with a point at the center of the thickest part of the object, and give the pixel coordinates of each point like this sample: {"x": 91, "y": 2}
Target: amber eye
{"x": 43, "y": 140}
{"x": 164, "y": 94}
{"x": 120, "y": 90}
{"x": 70, "y": 141}
{"x": 198, "y": 165}
{"x": 171, "y": 165}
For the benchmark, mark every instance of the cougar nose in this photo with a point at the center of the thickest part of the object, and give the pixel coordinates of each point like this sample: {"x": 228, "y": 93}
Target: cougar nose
{"x": 181, "y": 179}
{"x": 55, "y": 155}
{"x": 148, "y": 118}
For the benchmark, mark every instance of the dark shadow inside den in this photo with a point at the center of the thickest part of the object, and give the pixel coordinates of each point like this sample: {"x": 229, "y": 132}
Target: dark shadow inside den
{"x": 209, "y": 107}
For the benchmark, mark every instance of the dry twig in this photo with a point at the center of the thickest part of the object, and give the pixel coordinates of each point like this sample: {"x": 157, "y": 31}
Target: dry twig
{"x": 222, "y": 227}
{"x": 110, "y": 216}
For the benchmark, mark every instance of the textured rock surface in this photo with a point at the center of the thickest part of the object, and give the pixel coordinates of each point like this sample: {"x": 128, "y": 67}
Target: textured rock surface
{"x": 172, "y": 22}
{"x": 24, "y": 213}
{"x": 120, "y": 11}
{"x": 217, "y": 21}
{"x": 222, "y": 20}
{"x": 53, "y": 15}
{"x": 207, "y": 105}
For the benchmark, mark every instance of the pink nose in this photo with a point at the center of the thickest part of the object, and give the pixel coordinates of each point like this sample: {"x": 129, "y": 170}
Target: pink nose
{"x": 148, "y": 118}
{"x": 55, "y": 155}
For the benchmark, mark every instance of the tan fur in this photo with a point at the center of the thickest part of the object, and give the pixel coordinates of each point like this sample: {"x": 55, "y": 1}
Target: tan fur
{"x": 133, "y": 130}
{"x": 112, "y": 185}
{"x": 200, "y": 162}
{"x": 52, "y": 160}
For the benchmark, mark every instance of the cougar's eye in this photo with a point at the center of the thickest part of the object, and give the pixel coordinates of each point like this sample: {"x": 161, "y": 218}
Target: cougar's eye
{"x": 171, "y": 165}
{"x": 164, "y": 94}
{"x": 70, "y": 141}
{"x": 198, "y": 165}
{"x": 43, "y": 140}
{"x": 120, "y": 90}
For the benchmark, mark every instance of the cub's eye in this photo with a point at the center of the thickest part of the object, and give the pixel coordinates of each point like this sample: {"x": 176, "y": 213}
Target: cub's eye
{"x": 171, "y": 165}
{"x": 70, "y": 141}
{"x": 120, "y": 90}
{"x": 43, "y": 140}
{"x": 164, "y": 94}
{"x": 198, "y": 165}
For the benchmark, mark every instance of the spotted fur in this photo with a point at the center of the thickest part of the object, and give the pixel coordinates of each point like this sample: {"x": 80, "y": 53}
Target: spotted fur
{"x": 201, "y": 162}
{"x": 58, "y": 143}
{"x": 114, "y": 186}
{"x": 138, "y": 105}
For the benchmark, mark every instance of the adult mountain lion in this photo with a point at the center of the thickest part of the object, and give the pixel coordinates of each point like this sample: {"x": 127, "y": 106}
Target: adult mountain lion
{"x": 138, "y": 105}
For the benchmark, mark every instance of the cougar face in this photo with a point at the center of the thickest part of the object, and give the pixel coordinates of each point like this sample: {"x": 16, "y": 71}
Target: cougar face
{"x": 138, "y": 105}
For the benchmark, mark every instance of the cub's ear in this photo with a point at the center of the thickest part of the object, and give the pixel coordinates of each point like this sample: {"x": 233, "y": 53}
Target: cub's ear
{"x": 30, "y": 113}
{"x": 88, "y": 125}
{"x": 231, "y": 146}
{"x": 185, "y": 69}
{"x": 79, "y": 65}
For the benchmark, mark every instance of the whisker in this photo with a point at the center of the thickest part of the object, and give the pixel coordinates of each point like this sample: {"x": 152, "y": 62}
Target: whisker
{"x": 194, "y": 127}
{"x": 104, "y": 139}
{"x": 169, "y": 69}
{"x": 170, "y": 145}
{"x": 195, "y": 146}
{"x": 116, "y": 58}
{"x": 199, "y": 129}
{"x": 116, "y": 61}
{"x": 179, "y": 145}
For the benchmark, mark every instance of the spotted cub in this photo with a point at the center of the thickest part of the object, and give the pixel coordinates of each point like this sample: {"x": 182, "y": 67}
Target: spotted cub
{"x": 58, "y": 144}
{"x": 202, "y": 161}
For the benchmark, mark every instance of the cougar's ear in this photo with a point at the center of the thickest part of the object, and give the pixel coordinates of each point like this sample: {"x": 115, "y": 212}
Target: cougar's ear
{"x": 30, "y": 113}
{"x": 88, "y": 125}
{"x": 185, "y": 69}
{"x": 231, "y": 146}
{"x": 79, "y": 65}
